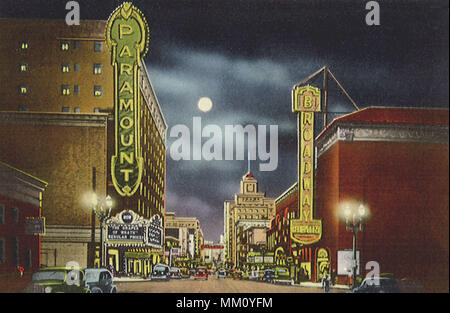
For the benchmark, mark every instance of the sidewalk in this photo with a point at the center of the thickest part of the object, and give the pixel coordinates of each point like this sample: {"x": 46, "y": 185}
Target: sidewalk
{"x": 308, "y": 284}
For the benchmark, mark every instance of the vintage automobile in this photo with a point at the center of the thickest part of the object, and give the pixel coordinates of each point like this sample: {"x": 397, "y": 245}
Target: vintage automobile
{"x": 201, "y": 273}
{"x": 268, "y": 276}
{"x": 175, "y": 273}
{"x": 221, "y": 274}
{"x": 282, "y": 276}
{"x": 99, "y": 280}
{"x": 254, "y": 275}
{"x": 57, "y": 280}
{"x": 380, "y": 285}
{"x": 238, "y": 275}
{"x": 160, "y": 272}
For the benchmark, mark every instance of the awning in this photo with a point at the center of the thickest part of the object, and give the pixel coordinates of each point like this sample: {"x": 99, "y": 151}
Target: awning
{"x": 137, "y": 255}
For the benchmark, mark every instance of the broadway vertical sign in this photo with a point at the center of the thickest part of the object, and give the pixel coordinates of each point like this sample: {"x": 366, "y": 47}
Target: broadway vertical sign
{"x": 127, "y": 37}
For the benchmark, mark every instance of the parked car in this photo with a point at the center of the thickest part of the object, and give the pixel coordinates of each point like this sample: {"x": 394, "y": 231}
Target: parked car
{"x": 282, "y": 276}
{"x": 201, "y": 273}
{"x": 99, "y": 280}
{"x": 175, "y": 273}
{"x": 222, "y": 274}
{"x": 160, "y": 272}
{"x": 238, "y": 275}
{"x": 383, "y": 285}
{"x": 269, "y": 276}
{"x": 254, "y": 275}
{"x": 57, "y": 280}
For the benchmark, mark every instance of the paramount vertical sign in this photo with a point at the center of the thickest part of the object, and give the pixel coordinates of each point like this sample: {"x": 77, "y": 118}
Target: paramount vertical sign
{"x": 127, "y": 37}
{"x": 306, "y": 230}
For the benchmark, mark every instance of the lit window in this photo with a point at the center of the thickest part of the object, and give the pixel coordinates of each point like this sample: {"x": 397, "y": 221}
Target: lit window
{"x": 76, "y": 110}
{"x": 65, "y": 68}
{"x": 23, "y": 90}
{"x": 76, "y": 90}
{"x": 98, "y": 69}
{"x": 98, "y": 91}
{"x": 76, "y": 67}
{"x": 65, "y": 90}
{"x": 98, "y": 46}
{"x": 64, "y": 45}
{"x": 96, "y": 110}
{"x": 65, "y": 109}
{"x": 24, "y": 45}
{"x": 23, "y": 67}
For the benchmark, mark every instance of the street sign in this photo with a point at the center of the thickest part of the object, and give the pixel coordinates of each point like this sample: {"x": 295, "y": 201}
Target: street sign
{"x": 35, "y": 226}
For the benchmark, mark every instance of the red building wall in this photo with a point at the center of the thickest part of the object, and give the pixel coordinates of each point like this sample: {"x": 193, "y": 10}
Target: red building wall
{"x": 10, "y": 229}
{"x": 406, "y": 187}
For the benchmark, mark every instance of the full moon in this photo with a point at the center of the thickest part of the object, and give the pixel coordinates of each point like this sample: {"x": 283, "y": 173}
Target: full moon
{"x": 205, "y": 104}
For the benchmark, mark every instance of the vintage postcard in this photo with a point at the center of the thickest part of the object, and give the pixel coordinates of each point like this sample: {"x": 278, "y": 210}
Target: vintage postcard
{"x": 254, "y": 147}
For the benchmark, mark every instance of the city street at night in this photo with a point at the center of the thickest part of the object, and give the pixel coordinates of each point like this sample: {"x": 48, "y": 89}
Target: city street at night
{"x": 212, "y": 285}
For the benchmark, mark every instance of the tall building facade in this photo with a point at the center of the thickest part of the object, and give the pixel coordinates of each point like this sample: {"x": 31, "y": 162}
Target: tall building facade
{"x": 57, "y": 113}
{"x": 248, "y": 206}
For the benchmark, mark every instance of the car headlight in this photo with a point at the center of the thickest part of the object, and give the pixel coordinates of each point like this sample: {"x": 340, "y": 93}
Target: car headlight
{"x": 48, "y": 289}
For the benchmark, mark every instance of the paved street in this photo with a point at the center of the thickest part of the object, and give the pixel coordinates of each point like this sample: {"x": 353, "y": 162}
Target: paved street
{"x": 212, "y": 285}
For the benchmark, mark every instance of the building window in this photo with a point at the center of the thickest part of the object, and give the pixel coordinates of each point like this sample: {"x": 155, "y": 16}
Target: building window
{"x": 65, "y": 109}
{"x": 15, "y": 215}
{"x": 76, "y": 45}
{"x": 98, "y": 69}
{"x": 29, "y": 258}
{"x": 98, "y": 91}
{"x": 23, "y": 90}
{"x": 65, "y": 90}
{"x": 23, "y": 67}
{"x": 76, "y": 67}
{"x": 98, "y": 46}
{"x": 65, "y": 68}
{"x": 2, "y": 214}
{"x": 22, "y": 108}
{"x": 96, "y": 110}
{"x": 76, "y": 90}
{"x": 2, "y": 251}
{"x": 76, "y": 110}
{"x": 64, "y": 45}
{"x": 23, "y": 45}
{"x": 15, "y": 251}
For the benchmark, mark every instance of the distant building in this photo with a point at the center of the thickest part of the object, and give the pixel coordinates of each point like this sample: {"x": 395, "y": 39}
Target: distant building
{"x": 188, "y": 233}
{"x": 248, "y": 206}
{"x": 22, "y": 223}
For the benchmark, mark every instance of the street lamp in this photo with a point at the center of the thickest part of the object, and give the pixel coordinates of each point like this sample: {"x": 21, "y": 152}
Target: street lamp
{"x": 102, "y": 209}
{"x": 355, "y": 214}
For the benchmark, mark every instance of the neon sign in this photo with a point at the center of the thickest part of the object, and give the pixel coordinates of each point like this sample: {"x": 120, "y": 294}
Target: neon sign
{"x": 127, "y": 37}
{"x": 305, "y": 230}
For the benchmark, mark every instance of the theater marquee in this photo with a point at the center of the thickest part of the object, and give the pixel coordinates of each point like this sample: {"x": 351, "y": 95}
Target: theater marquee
{"x": 305, "y": 230}
{"x": 127, "y": 37}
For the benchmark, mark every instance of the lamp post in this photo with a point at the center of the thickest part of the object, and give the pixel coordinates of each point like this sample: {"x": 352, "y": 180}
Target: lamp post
{"x": 355, "y": 215}
{"x": 102, "y": 209}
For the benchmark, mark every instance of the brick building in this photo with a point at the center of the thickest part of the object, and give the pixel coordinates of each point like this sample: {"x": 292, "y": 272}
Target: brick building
{"x": 395, "y": 160}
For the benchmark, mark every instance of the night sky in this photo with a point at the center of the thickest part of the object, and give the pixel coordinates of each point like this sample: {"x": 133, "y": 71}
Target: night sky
{"x": 247, "y": 55}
